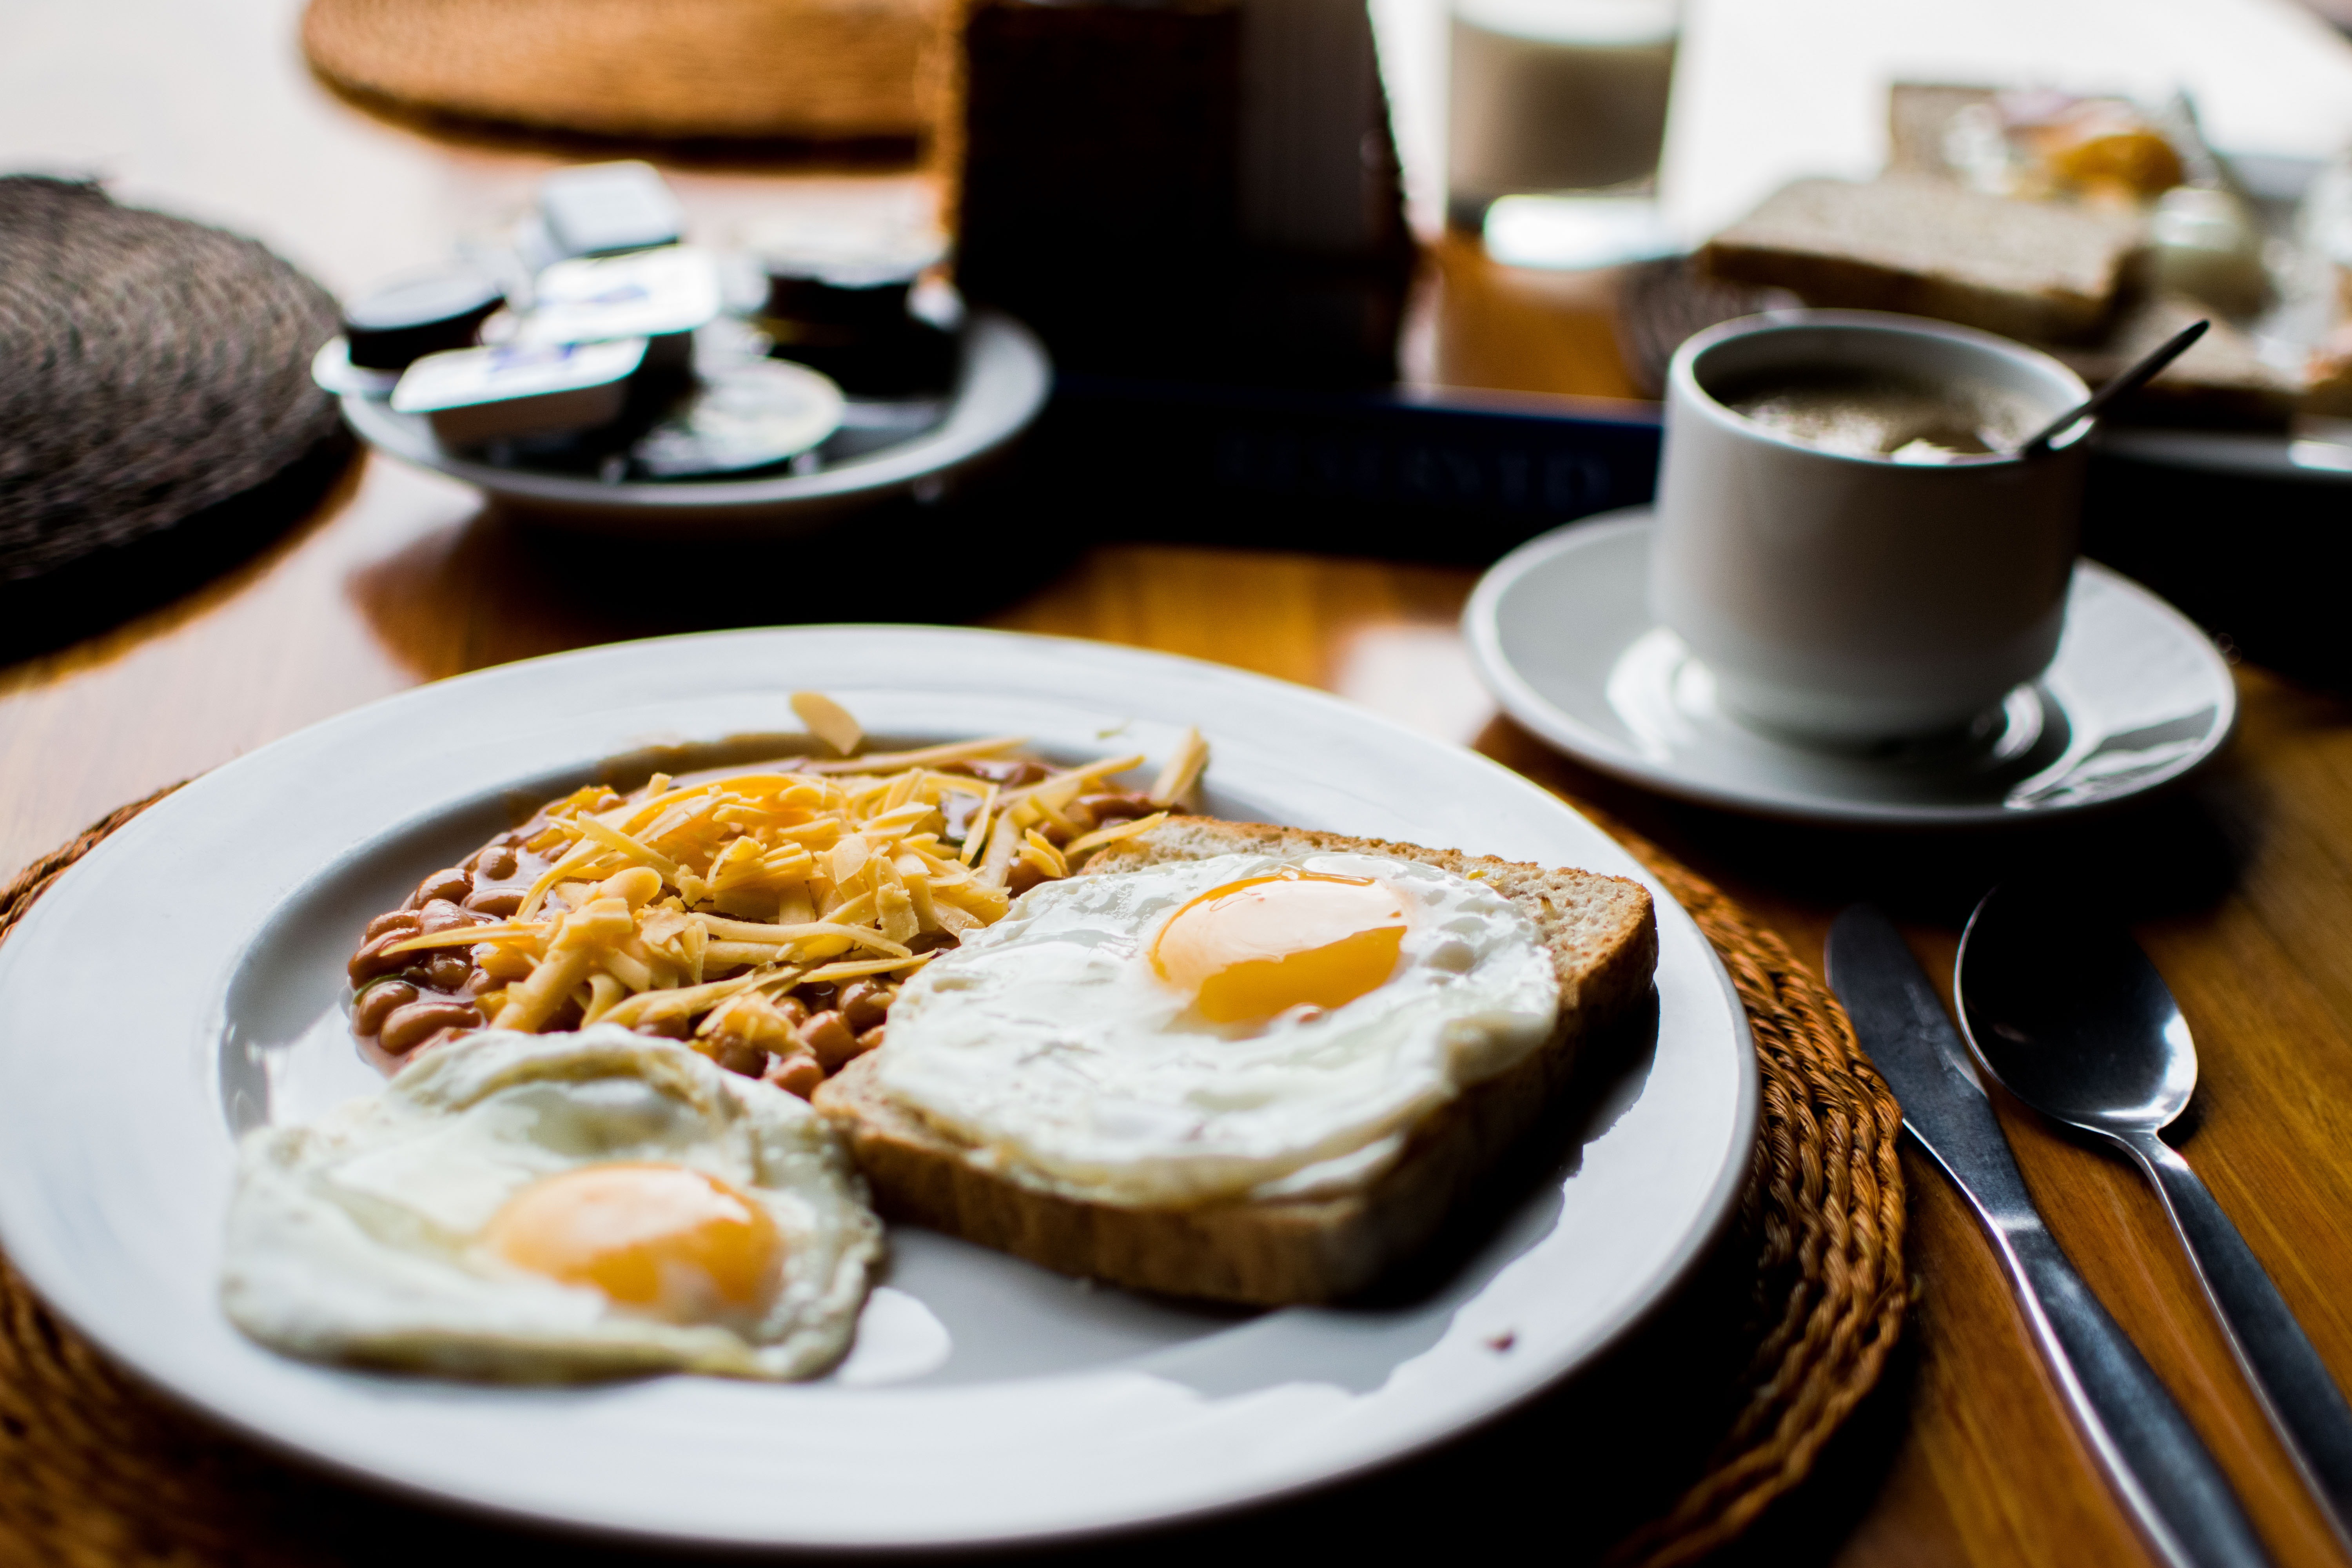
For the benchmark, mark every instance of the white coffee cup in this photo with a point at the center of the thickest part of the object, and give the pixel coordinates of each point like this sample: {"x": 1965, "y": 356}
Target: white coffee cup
{"x": 1847, "y": 598}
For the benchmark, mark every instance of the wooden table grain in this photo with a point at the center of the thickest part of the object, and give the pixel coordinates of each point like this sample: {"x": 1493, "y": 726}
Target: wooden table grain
{"x": 2240, "y": 885}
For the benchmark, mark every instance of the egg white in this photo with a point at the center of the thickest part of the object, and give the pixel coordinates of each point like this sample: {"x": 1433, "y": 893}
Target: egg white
{"x": 1049, "y": 1043}
{"x": 352, "y": 1239}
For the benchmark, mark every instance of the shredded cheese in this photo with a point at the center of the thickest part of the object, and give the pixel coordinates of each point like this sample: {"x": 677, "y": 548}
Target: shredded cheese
{"x": 1184, "y": 770}
{"x": 829, "y": 721}
{"x": 713, "y": 901}
{"x": 1113, "y": 834}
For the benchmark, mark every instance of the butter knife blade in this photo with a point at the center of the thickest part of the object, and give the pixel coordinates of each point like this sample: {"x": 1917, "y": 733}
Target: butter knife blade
{"x": 2159, "y": 1466}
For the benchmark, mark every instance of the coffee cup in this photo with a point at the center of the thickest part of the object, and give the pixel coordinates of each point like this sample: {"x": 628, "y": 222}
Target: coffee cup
{"x": 1844, "y": 565}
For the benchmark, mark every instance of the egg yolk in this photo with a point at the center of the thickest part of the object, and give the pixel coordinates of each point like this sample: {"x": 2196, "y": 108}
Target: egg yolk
{"x": 662, "y": 1239}
{"x": 1252, "y": 949}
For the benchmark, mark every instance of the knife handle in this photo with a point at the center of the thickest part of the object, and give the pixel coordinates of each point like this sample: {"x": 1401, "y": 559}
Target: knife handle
{"x": 2296, "y": 1389}
{"x": 2158, "y": 1465}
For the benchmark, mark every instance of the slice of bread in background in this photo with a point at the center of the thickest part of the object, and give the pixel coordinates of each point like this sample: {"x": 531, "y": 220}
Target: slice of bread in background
{"x": 1601, "y": 934}
{"x": 2221, "y": 383}
{"x": 1927, "y": 247}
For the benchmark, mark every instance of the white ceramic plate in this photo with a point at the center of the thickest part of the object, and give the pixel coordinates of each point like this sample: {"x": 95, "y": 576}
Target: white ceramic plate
{"x": 186, "y": 980}
{"x": 1003, "y": 379}
{"x": 1561, "y": 633}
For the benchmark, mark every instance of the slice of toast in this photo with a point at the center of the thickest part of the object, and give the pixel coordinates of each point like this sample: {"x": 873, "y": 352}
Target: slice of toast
{"x": 1927, "y": 248}
{"x": 1601, "y": 934}
{"x": 2221, "y": 383}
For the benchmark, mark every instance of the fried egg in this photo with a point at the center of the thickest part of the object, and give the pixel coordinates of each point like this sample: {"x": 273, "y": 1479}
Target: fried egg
{"x": 1244, "y": 1024}
{"x": 546, "y": 1207}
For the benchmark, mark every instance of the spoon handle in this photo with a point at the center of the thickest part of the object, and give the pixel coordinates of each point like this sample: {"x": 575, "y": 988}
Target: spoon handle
{"x": 2294, "y": 1384}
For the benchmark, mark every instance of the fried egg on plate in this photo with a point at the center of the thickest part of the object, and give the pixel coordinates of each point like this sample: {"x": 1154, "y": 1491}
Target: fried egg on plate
{"x": 537, "y": 1206}
{"x": 1244, "y": 1024}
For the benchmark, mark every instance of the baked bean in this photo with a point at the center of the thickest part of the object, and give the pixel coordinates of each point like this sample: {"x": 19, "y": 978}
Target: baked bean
{"x": 667, "y": 1026}
{"x": 1024, "y": 877}
{"x": 375, "y": 1003}
{"x": 828, "y": 1039}
{"x": 372, "y": 960}
{"x": 814, "y": 998}
{"x": 439, "y": 915}
{"x": 795, "y": 1074}
{"x": 865, "y": 1004}
{"x": 447, "y": 971}
{"x": 399, "y": 919}
{"x": 1108, "y": 807}
{"x": 494, "y": 864}
{"x": 794, "y": 1010}
{"x": 407, "y": 1026}
{"x": 741, "y": 1056}
{"x": 500, "y": 903}
{"x": 869, "y": 1039}
{"x": 451, "y": 884}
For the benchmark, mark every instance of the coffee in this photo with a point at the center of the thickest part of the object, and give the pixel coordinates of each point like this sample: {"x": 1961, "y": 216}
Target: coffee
{"x": 1882, "y": 414}
{"x": 1834, "y": 595}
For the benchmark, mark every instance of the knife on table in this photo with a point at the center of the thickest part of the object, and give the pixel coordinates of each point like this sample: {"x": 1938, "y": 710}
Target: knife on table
{"x": 2153, "y": 1458}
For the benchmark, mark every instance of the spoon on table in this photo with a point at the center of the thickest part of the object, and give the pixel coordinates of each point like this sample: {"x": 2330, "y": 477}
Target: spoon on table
{"x": 2062, "y": 1007}
{"x": 2130, "y": 381}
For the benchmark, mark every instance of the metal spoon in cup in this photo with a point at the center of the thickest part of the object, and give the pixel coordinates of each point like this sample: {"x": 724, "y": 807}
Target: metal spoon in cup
{"x": 2062, "y": 1007}
{"x": 2130, "y": 381}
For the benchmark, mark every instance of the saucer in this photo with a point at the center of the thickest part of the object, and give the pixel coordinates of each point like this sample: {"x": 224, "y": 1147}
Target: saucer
{"x": 883, "y": 449}
{"x": 1561, "y": 633}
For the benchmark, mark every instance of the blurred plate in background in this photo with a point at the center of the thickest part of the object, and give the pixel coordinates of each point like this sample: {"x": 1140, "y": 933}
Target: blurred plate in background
{"x": 881, "y": 453}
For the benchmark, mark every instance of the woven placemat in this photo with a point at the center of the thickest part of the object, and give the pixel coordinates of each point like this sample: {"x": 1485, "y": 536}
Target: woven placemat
{"x": 668, "y": 69}
{"x": 149, "y": 369}
{"x": 94, "y": 1470}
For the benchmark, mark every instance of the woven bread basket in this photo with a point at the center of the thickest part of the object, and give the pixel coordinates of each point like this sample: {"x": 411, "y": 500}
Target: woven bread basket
{"x": 660, "y": 69}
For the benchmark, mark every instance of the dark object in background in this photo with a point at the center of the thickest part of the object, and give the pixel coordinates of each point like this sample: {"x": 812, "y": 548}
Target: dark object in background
{"x": 853, "y": 322}
{"x": 1155, "y": 202}
{"x": 394, "y": 326}
{"x": 1455, "y": 477}
{"x": 1098, "y": 188}
{"x": 2250, "y": 559}
{"x": 154, "y": 376}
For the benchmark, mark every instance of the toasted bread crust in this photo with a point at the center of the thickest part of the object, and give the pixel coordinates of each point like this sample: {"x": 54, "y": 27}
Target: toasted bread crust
{"x": 1602, "y": 934}
{"x": 2027, "y": 268}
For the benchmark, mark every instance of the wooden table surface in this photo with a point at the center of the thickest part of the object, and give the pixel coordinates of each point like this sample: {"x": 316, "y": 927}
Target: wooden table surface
{"x": 2240, "y": 885}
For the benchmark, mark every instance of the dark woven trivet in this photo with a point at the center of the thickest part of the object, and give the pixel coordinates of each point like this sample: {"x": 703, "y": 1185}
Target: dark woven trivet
{"x": 96, "y": 1470}
{"x": 151, "y": 369}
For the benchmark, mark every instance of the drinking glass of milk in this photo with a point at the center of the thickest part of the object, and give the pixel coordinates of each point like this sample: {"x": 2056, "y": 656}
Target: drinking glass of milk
{"x": 1563, "y": 102}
